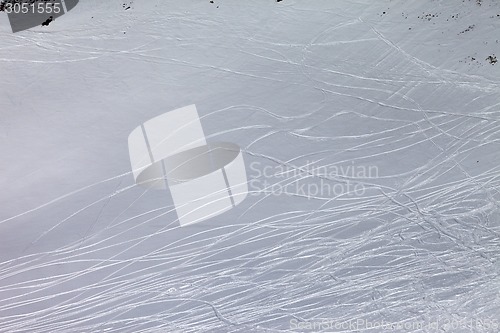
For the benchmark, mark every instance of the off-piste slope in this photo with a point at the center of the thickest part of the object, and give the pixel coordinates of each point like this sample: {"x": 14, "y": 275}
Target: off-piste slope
{"x": 370, "y": 133}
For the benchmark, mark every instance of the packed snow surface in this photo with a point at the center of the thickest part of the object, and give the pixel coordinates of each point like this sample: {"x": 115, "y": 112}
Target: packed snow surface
{"x": 370, "y": 132}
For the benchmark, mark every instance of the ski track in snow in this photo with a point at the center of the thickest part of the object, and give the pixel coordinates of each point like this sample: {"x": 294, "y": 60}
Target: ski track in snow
{"x": 420, "y": 244}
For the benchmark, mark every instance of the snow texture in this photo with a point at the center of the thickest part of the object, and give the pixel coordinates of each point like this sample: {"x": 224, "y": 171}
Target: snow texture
{"x": 315, "y": 93}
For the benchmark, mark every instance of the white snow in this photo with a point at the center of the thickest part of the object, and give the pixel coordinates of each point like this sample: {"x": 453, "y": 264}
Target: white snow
{"x": 315, "y": 93}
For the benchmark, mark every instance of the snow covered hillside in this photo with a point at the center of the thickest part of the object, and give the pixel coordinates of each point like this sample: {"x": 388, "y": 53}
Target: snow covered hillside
{"x": 370, "y": 132}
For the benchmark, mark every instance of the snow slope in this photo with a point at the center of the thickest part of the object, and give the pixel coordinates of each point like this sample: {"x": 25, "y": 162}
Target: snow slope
{"x": 316, "y": 93}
